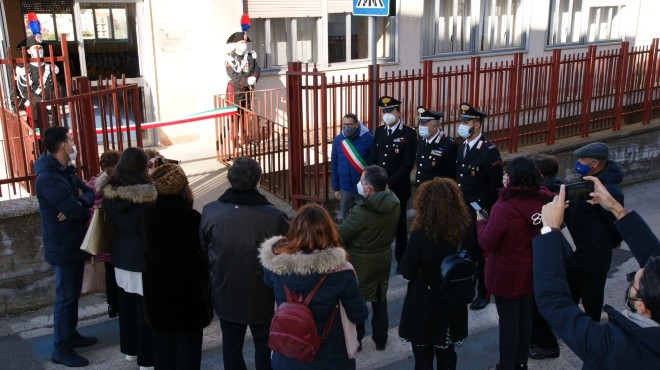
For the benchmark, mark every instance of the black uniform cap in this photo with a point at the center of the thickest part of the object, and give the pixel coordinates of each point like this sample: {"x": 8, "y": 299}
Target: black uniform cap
{"x": 468, "y": 112}
{"x": 238, "y": 36}
{"x": 388, "y": 102}
{"x": 30, "y": 41}
{"x": 424, "y": 115}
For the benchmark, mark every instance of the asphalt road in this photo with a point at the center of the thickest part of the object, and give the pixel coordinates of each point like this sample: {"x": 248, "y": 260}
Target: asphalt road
{"x": 26, "y": 341}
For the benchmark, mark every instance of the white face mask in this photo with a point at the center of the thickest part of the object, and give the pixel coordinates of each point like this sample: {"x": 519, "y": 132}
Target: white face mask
{"x": 240, "y": 49}
{"x": 389, "y": 119}
{"x": 360, "y": 189}
{"x": 423, "y": 131}
{"x": 73, "y": 155}
{"x": 464, "y": 131}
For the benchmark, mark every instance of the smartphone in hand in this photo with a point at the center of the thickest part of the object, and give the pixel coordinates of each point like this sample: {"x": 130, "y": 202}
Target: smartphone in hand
{"x": 481, "y": 211}
{"x": 579, "y": 191}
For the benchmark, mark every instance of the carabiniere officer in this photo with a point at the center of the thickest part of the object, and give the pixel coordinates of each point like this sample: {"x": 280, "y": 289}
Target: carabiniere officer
{"x": 394, "y": 149}
{"x": 436, "y": 152}
{"x": 479, "y": 175}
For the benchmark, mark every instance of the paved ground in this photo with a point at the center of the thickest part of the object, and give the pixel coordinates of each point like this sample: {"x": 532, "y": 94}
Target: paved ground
{"x": 25, "y": 341}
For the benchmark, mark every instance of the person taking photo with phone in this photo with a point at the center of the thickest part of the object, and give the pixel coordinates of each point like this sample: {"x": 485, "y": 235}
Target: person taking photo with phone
{"x": 630, "y": 339}
{"x": 593, "y": 230}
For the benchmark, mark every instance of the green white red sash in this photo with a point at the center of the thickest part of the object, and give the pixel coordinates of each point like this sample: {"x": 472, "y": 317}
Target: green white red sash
{"x": 353, "y": 156}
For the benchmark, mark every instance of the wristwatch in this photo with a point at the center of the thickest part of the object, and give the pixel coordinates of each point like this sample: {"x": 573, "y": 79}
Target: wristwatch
{"x": 547, "y": 229}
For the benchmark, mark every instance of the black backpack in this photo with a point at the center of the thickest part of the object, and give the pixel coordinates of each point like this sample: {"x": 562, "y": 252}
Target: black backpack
{"x": 455, "y": 283}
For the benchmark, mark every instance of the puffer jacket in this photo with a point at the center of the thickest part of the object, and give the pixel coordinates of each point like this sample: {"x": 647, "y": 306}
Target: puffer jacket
{"x": 126, "y": 206}
{"x": 58, "y": 187}
{"x": 300, "y": 272}
{"x": 506, "y": 240}
{"x": 344, "y": 176}
{"x": 367, "y": 234}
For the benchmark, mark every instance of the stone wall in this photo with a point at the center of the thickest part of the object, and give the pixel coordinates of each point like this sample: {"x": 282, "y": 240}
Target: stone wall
{"x": 26, "y": 281}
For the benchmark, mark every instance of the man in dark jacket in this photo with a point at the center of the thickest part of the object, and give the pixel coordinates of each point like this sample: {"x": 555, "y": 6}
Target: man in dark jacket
{"x": 630, "y": 339}
{"x": 593, "y": 231}
{"x": 436, "y": 152}
{"x": 64, "y": 202}
{"x": 394, "y": 149}
{"x": 350, "y": 151}
{"x": 231, "y": 231}
{"x": 479, "y": 175}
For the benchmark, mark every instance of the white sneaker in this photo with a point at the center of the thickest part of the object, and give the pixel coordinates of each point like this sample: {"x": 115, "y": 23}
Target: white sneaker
{"x": 131, "y": 358}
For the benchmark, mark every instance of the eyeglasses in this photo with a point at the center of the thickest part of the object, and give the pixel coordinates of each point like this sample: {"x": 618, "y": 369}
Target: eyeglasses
{"x": 630, "y": 301}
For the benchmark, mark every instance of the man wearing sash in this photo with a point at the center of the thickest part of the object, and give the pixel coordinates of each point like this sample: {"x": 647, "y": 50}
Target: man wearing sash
{"x": 350, "y": 150}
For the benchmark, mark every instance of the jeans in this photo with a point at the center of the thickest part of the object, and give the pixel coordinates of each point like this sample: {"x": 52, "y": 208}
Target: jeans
{"x": 68, "y": 282}
{"x": 233, "y": 336}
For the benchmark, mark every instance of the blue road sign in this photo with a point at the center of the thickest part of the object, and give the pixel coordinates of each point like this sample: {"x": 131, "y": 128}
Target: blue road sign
{"x": 372, "y": 8}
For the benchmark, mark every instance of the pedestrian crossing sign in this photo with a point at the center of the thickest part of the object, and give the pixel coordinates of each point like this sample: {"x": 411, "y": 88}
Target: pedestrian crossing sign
{"x": 373, "y": 8}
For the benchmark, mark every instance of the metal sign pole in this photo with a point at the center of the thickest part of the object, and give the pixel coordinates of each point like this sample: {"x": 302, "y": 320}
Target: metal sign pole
{"x": 374, "y": 82}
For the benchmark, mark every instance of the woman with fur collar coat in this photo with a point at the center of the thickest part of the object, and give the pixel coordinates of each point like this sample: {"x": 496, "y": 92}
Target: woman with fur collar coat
{"x": 308, "y": 252}
{"x": 126, "y": 195}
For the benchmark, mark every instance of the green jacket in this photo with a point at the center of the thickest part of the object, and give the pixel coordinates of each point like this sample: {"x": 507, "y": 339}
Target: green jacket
{"x": 367, "y": 234}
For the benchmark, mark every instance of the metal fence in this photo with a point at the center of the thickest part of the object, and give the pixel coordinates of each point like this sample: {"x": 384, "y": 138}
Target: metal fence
{"x": 528, "y": 101}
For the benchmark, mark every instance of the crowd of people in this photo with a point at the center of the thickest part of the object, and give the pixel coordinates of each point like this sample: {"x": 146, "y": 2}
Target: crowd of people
{"x": 172, "y": 268}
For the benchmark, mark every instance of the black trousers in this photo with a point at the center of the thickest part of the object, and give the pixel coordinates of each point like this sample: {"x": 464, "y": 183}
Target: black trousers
{"x": 111, "y": 289}
{"x": 181, "y": 351}
{"x": 542, "y": 335}
{"x": 379, "y": 321}
{"x": 401, "y": 229}
{"x": 233, "y": 336}
{"x": 471, "y": 244}
{"x": 424, "y": 357}
{"x": 515, "y": 330}
{"x": 134, "y": 333}
{"x": 590, "y": 288}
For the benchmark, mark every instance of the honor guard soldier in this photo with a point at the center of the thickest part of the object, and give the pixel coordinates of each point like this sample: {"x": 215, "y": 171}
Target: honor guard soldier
{"x": 394, "y": 148}
{"x": 479, "y": 175}
{"x": 436, "y": 152}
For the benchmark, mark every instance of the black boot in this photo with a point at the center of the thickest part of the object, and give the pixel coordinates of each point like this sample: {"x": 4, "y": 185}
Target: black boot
{"x": 68, "y": 357}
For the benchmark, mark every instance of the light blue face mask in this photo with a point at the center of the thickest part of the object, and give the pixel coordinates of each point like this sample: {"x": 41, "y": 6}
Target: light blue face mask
{"x": 423, "y": 131}
{"x": 464, "y": 131}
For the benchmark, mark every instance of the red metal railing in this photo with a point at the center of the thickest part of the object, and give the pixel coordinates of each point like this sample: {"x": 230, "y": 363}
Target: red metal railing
{"x": 529, "y": 101}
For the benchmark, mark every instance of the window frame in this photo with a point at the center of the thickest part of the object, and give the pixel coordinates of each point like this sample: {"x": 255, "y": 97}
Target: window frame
{"x": 585, "y": 25}
{"x": 349, "y": 47}
{"x": 111, "y": 24}
{"x": 478, "y": 28}
{"x": 292, "y": 41}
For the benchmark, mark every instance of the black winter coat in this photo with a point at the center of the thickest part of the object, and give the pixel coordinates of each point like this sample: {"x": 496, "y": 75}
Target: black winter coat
{"x": 231, "y": 231}
{"x": 58, "y": 188}
{"x": 177, "y": 288}
{"x": 422, "y": 320}
{"x": 126, "y": 206}
{"x": 592, "y": 227}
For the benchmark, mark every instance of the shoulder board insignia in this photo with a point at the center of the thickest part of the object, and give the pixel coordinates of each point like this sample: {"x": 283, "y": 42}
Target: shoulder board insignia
{"x": 479, "y": 145}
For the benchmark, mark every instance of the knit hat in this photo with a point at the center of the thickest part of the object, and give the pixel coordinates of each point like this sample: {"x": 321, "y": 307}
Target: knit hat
{"x": 169, "y": 179}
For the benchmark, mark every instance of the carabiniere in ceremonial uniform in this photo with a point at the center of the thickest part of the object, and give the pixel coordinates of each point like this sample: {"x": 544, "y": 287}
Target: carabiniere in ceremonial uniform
{"x": 436, "y": 152}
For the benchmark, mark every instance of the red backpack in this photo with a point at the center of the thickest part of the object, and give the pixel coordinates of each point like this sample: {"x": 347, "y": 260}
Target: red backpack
{"x": 293, "y": 329}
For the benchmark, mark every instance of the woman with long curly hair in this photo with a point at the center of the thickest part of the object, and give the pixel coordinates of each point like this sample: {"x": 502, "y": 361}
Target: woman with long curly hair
{"x": 309, "y": 252}
{"x": 433, "y": 329}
